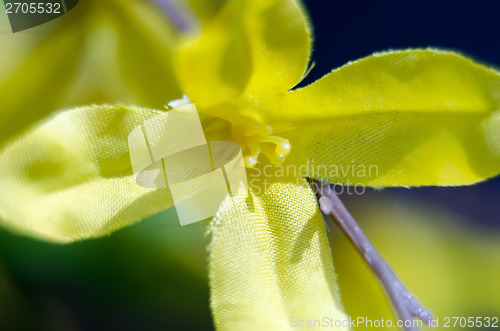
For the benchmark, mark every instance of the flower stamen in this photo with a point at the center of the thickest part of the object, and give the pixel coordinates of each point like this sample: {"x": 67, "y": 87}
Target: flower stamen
{"x": 253, "y": 139}
{"x": 283, "y": 146}
{"x": 252, "y": 159}
{"x": 271, "y": 154}
{"x": 257, "y": 139}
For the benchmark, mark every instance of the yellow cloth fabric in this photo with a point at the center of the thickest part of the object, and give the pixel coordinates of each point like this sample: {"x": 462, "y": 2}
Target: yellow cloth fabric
{"x": 270, "y": 260}
{"x": 101, "y": 52}
{"x": 250, "y": 47}
{"x": 402, "y": 118}
{"x": 70, "y": 178}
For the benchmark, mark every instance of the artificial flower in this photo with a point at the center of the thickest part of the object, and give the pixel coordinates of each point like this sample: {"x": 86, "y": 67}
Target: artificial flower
{"x": 99, "y": 52}
{"x": 399, "y": 118}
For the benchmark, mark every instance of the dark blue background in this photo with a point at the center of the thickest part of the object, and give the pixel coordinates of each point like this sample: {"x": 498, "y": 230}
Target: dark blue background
{"x": 348, "y": 30}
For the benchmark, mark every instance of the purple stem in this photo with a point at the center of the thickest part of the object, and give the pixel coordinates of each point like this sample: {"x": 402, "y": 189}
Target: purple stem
{"x": 179, "y": 15}
{"x": 406, "y": 306}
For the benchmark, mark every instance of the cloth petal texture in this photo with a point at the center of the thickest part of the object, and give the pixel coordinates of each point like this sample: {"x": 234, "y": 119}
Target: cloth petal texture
{"x": 101, "y": 52}
{"x": 270, "y": 260}
{"x": 251, "y": 46}
{"x": 403, "y": 118}
{"x": 70, "y": 177}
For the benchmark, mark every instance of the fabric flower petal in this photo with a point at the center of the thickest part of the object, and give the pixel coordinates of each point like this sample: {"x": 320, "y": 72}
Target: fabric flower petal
{"x": 270, "y": 260}
{"x": 250, "y": 46}
{"x": 99, "y": 52}
{"x": 71, "y": 177}
{"x": 405, "y": 118}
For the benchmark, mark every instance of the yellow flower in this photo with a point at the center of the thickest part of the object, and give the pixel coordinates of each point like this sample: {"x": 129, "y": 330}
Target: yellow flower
{"x": 402, "y": 118}
{"x": 99, "y": 52}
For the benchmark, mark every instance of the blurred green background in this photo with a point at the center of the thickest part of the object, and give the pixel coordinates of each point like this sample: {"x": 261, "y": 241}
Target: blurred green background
{"x": 150, "y": 276}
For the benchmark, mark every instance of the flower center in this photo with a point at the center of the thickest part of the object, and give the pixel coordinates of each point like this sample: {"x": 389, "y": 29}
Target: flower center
{"x": 254, "y": 139}
{"x": 257, "y": 139}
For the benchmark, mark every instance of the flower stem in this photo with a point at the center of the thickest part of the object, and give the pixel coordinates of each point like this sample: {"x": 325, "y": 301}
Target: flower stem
{"x": 178, "y": 14}
{"x": 406, "y": 306}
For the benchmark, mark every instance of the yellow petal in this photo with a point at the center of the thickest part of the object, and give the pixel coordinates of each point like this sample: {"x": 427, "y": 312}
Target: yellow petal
{"x": 251, "y": 46}
{"x": 206, "y": 10}
{"x": 99, "y": 52}
{"x": 71, "y": 177}
{"x": 420, "y": 117}
{"x": 270, "y": 262}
